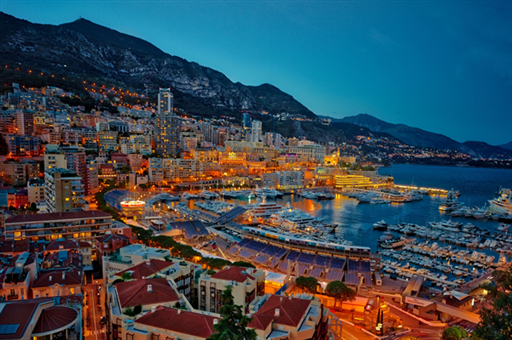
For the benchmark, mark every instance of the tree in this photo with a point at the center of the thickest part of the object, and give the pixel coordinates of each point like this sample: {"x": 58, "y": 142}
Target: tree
{"x": 309, "y": 284}
{"x": 495, "y": 322}
{"x": 243, "y": 264}
{"x": 233, "y": 325}
{"x": 454, "y": 333}
{"x": 127, "y": 276}
{"x": 340, "y": 292}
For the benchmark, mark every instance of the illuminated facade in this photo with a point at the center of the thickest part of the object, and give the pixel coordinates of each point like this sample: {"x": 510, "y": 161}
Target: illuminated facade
{"x": 167, "y": 126}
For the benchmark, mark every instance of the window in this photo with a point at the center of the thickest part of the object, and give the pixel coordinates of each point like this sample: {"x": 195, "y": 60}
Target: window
{"x": 155, "y": 336}
{"x": 129, "y": 336}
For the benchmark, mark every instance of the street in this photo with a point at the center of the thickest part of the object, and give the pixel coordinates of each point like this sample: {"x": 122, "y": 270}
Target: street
{"x": 93, "y": 313}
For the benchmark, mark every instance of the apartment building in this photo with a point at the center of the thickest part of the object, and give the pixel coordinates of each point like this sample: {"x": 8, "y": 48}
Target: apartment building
{"x": 107, "y": 140}
{"x": 64, "y": 190}
{"x": 285, "y": 180}
{"x": 247, "y": 283}
{"x": 80, "y": 225}
{"x": 35, "y": 190}
{"x": 19, "y": 173}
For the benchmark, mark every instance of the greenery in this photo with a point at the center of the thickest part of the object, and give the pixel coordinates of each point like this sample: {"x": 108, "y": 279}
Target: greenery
{"x": 102, "y": 204}
{"x": 340, "y": 292}
{"x": 496, "y": 321}
{"x": 243, "y": 264}
{"x": 210, "y": 272}
{"x": 454, "y": 333}
{"x": 133, "y": 312}
{"x": 127, "y": 276}
{"x": 233, "y": 325}
{"x": 309, "y": 284}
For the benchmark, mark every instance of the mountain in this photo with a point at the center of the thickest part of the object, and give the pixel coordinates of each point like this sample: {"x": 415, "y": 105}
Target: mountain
{"x": 507, "y": 146}
{"x": 96, "y": 52}
{"x": 419, "y": 137}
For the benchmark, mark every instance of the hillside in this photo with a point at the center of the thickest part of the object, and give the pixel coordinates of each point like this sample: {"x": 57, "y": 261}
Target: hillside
{"x": 419, "y": 137}
{"x": 96, "y": 52}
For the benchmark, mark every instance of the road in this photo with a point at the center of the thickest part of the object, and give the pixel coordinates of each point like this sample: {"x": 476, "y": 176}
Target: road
{"x": 93, "y": 314}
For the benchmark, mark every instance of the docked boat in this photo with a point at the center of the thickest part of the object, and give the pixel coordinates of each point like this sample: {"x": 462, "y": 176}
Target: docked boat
{"x": 264, "y": 208}
{"x": 392, "y": 244}
{"x": 294, "y": 217}
{"x": 381, "y": 225}
{"x": 503, "y": 203}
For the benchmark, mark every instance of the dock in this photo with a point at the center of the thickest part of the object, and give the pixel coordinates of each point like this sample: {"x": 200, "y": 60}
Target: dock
{"x": 431, "y": 278}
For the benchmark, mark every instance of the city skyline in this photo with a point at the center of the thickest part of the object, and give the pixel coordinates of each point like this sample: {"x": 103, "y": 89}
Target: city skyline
{"x": 430, "y": 65}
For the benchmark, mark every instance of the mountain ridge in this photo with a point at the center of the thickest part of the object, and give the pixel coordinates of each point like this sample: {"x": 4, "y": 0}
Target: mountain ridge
{"x": 83, "y": 47}
{"x": 419, "y": 137}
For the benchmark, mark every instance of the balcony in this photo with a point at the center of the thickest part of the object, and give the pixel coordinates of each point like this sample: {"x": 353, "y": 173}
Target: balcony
{"x": 13, "y": 297}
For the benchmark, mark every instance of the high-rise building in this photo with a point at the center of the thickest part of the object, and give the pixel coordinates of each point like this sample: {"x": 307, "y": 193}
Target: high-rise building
{"x": 246, "y": 125}
{"x": 165, "y": 102}
{"x": 64, "y": 190}
{"x": 167, "y": 126}
{"x": 24, "y": 122}
{"x": 273, "y": 139}
{"x": 256, "y": 131}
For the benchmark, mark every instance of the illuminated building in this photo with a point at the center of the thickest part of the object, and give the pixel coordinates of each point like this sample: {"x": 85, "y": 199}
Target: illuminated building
{"x": 64, "y": 190}
{"x": 167, "y": 126}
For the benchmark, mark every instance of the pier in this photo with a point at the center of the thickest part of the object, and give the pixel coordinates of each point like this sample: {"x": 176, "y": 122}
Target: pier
{"x": 431, "y": 191}
{"x": 429, "y": 277}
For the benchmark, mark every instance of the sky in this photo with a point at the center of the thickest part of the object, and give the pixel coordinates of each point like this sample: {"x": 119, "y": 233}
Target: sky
{"x": 443, "y": 66}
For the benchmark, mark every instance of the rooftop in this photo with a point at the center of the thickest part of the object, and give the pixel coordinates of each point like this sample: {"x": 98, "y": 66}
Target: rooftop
{"x": 62, "y": 216}
{"x": 233, "y": 273}
{"x": 53, "y": 318}
{"x": 179, "y": 321}
{"x": 291, "y": 312}
{"x": 143, "y": 269}
{"x": 145, "y": 292}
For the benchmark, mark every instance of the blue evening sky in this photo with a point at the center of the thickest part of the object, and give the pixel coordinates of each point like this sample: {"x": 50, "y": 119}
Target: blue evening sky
{"x": 443, "y": 66}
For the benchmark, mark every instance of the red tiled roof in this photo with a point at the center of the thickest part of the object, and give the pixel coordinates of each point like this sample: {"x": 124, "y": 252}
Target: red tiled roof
{"x": 144, "y": 270}
{"x": 73, "y": 215}
{"x": 54, "y": 318}
{"x": 66, "y": 244}
{"x": 291, "y": 312}
{"x": 134, "y": 293}
{"x": 71, "y": 277}
{"x": 84, "y": 244}
{"x": 233, "y": 273}
{"x": 72, "y": 259}
{"x": 112, "y": 237}
{"x": 179, "y": 321}
{"x": 17, "y": 313}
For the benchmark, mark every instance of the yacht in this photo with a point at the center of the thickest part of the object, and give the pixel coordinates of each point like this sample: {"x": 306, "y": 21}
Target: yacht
{"x": 381, "y": 225}
{"x": 503, "y": 203}
{"x": 294, "y": 217}
{"x": 265, "y": 209}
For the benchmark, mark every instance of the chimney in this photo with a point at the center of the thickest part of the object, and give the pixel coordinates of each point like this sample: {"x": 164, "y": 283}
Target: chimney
{"x": 63, "y": 275}
{"x": 150, "y": 288}
{"x": 153, "y": 309}
{"x": 277, "y": 312}
{"x": 179, "y": 311}
{"x": 148, "y": 262}
{"x": 215, "y": 321}
{"x": 50, "y": 279}
{"x": 281, "y": 298}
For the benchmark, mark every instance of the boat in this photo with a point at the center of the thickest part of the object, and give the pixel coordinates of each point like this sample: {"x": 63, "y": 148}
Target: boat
{"x": 294, "y": 217}
{"x": 392, "y": 244}
{"x": 503, "y": 203}
{"x": 381, "y": 225}
{"x": 264, "y": 208}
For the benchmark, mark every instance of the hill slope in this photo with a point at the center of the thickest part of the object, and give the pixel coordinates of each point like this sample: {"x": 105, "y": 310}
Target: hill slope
{"x": 84, "y": 48}
{"x": 419, "y": 137}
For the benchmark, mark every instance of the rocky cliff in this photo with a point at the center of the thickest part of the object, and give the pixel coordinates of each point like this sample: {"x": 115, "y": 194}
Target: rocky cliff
{"x": 91, "y": 50}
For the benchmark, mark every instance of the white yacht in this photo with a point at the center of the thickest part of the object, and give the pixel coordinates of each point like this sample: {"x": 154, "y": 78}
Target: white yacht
{"x": 502, "y": 204}
{"x": 265, "y": 209}
{"x": 294, "y": 217}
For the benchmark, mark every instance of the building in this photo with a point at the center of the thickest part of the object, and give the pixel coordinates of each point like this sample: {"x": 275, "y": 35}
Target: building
{"x": 107, "y": 140}
{"x": 30, "y": 319}
{"x": 35, "y": 189}
{"x": 273, "y": 139}
{"x": 24, "y": 123}
{"x": 19, "y": 173}
{"x": 285, "y": 180}
{"x": 64, "y": 191}
{"x": 80, "y": 225}
{"x": 283, "y": 317}
{"x": 22, "y": 145}
{"x": 247, "y": 283}
{"x": 310, "y": 152}
{"x": 167, "y": 126}
{"x": 256, "y": 131}
{"x": 82, "y": 247}
{"x": 54, "y": 160}
{"x": 109, "y": 243}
